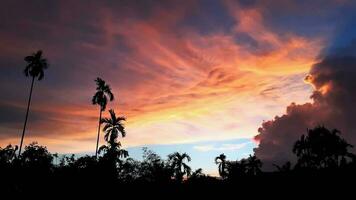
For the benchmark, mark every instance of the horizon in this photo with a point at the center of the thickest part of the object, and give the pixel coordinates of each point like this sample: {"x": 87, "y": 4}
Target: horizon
{"x": 207, "y": 77}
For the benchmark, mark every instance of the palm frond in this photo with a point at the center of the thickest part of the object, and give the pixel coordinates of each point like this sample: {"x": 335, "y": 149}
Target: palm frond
{"x": 40, "y": 75}
{"x": 29, "y": 59}
{"x": 36, "y": 65}
{"x": 185, "y": 155}
{"x": 112, "y": 114}
{"x": 103, "y": 148}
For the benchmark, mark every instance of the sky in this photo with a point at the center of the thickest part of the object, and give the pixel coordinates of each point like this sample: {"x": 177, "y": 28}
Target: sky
{"x": 202, "y": 77}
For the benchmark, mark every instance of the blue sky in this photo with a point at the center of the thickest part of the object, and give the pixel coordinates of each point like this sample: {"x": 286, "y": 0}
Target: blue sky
{"x": 202, "y": 153}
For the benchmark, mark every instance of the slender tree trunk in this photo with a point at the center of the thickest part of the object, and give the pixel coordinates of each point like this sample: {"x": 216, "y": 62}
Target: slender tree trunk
{"x": 28, "y": 109}
{"x": 97, "y": 140}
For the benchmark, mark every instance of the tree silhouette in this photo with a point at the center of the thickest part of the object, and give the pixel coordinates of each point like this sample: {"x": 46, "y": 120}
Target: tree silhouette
{"x": 221, "y": 161}
{"x": 250, "y": 166}
{"x": 253, "y": 165}
{"x": 36, "y": 157}
{"x": 178, "y": 166}
{"x": 113, "y": 126}
{"x": 113, "y": 150}
{"x": 236, "y": 169}
{"x": 321, "y": 148}
{"x": 153, "y": 169}
{"x": 197, "y": 174}
{"x": 103, "y": 93}
{"x": 36, "y": 65}
{"x": 7, "y": 155}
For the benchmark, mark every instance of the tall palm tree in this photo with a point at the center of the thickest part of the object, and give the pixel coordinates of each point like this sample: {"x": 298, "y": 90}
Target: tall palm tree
{"x": 179, "y": 168}
{"x": 221, "y": 161}
{"x": 103, "y": 93}
{"x": 36, "y": 65}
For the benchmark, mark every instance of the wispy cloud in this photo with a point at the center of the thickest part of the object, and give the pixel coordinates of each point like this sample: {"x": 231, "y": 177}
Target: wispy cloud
{"x": 221, "y": 148}
{"x": 176, "y": 80}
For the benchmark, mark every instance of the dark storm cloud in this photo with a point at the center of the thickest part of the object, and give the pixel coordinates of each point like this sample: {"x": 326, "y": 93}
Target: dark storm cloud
{"x": 333, "y": 106}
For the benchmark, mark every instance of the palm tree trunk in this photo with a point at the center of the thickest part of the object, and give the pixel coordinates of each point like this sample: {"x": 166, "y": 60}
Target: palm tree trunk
{"x": 28, "y": 109}
{"x": 97, "y": 140}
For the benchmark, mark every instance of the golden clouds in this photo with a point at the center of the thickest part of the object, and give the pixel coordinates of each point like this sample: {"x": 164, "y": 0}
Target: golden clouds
{"x": 177, "y": 84}
{"x": 207, "y": 86}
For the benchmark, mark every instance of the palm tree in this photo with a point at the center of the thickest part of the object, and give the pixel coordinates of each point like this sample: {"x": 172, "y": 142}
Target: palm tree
{"x": 178, "y": 166}
{"x": 221, "y": 161}
{"x": 114, "y": 151}
{"x": 103, "y": 93}
{"x": 36, "y": 65}
{"x": 112, "y": 128}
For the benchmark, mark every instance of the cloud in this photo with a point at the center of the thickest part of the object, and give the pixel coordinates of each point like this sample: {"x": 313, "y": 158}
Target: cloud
{"x": 333, "y": 106}
{"x": 221, "y": 148}
{"x": 177, "y": 79}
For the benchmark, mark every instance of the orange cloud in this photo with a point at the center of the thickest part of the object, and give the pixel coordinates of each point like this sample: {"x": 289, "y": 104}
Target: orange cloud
{"x": 183, "y": 86}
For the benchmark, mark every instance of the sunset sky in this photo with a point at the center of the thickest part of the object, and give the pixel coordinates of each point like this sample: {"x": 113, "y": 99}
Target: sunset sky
{"x": 195, "y": 76}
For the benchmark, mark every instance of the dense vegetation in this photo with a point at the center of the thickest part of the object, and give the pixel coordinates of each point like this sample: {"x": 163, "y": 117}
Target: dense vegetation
{"x": 322, "y": 155}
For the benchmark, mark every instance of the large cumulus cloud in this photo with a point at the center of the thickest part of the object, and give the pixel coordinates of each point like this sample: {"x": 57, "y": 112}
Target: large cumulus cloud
{"x": 334, "y": 98}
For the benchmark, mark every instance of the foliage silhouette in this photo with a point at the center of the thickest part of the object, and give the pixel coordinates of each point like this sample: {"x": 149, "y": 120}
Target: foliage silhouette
{"x": 221, "y": 161}
{"x": 322, "y": 151}
{"x": 7, "y": 155}
{"x": 36, "y": 156}
{"x": 35, "y": 67}
{"x": 321, "y": 148}
{"x": 179, "y": 167}
{"x": 102, "y": 95}
{"x": 250, "y": 166}
{"x": 153, "y": 169}
{"x": 111, "y": 160}
{"x": 112, "y": 128}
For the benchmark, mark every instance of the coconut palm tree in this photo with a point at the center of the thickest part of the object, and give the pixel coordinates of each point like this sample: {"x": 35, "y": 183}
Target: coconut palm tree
{"x": 36, "y": 65}
{"x": 178, "y": 166}
{"x": 101, "y": 97}
{"x": 221, "y": 161}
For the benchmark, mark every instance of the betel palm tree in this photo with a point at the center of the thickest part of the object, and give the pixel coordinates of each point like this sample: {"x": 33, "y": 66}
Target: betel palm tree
{"x": 101, "y": 97}
{"x": 221, "y": 162}
{"x": 36, "y": 65}
{"x": 178, "y": 166}
{"x": 113, "y": 128}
